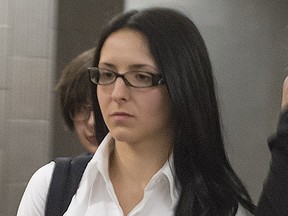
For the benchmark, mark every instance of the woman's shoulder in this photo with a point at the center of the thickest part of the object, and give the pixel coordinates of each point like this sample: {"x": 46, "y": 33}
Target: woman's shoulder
{"x": 34, "y": 198}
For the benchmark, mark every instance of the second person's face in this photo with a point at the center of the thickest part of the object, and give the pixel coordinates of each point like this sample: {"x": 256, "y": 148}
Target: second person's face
{"x": 132, "y": 114}
{"x": 85, "y": 131}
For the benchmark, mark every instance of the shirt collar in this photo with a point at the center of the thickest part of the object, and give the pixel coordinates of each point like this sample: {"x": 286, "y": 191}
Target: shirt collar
{"x": 169, "y": 172}
{"x": 101, "y": 156}
{"x": 101, "y": 161}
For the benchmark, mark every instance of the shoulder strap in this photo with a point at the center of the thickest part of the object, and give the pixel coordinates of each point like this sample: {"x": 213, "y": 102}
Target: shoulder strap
{"x": 57, "y": 186}
{"x": 66, "y": 177}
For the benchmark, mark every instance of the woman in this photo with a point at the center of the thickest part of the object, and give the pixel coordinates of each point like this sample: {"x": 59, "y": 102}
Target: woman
{"x": 174, "y": 119}
{"x": 153, "y": 94}
{"x": 75, "y": 99}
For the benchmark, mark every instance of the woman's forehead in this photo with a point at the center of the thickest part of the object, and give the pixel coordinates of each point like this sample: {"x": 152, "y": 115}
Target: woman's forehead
{"x": 128, "y": 47}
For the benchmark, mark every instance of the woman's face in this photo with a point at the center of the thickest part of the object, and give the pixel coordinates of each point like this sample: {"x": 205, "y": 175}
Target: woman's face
{"x": 83, "y": 120}
{"x": 132, "y": 114}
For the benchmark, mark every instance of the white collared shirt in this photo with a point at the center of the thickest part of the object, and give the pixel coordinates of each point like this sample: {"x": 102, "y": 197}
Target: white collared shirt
{"x": 96, "y": 196}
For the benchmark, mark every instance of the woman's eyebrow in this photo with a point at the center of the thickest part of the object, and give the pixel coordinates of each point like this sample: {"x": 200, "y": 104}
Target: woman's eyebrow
{"x": 142, "y": 66}
{"x": 130, "y": 67}
{"x": 106, "y": 64}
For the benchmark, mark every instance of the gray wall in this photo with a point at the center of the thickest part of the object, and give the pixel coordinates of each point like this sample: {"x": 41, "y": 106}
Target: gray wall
{"x": 26, "y": 72}
{"x": 248, "y": 45}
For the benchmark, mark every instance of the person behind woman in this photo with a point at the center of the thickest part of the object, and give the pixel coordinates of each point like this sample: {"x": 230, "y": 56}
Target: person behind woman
{"x": 75, "y": 99}
{"x": 154, "y": 95}
{"x": 274, "y": 197}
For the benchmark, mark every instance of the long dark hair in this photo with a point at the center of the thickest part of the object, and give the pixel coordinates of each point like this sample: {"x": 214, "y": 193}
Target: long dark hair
{"x": 207, "y": 183}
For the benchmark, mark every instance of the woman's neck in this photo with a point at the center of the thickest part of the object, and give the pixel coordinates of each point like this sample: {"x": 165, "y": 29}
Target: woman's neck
{"x": 138, "y": 162}
{"x": 131, "y": 167}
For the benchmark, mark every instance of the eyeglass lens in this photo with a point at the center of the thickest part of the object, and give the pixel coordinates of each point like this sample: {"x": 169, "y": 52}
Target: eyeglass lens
{"x": 80, "y": 112}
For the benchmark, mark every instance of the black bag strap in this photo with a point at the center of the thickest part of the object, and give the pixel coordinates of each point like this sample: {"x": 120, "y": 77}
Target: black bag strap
{"x": 65, "y": 180}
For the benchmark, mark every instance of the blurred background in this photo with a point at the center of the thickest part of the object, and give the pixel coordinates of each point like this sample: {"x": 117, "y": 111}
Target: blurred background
{"x": 248, "y": 45}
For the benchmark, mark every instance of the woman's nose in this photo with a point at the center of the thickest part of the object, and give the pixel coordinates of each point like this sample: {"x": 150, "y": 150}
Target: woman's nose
{"x": 120, "y": 90}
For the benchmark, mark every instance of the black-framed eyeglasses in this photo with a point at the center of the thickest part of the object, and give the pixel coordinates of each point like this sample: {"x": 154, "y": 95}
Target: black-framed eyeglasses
{"x": 137, "y": 79}
{"x": 80, "y": 112}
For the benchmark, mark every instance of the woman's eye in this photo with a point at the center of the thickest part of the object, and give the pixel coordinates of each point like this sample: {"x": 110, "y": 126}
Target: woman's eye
{"x": 143, "y": 77}
{"x": 107, "y": 75}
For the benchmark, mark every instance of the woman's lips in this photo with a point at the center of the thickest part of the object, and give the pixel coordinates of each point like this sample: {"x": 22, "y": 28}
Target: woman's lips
{"x": 121, "y": 116}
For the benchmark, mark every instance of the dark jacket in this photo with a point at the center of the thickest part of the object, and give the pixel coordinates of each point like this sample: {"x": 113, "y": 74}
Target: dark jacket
{"x": 274, "y": 198}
